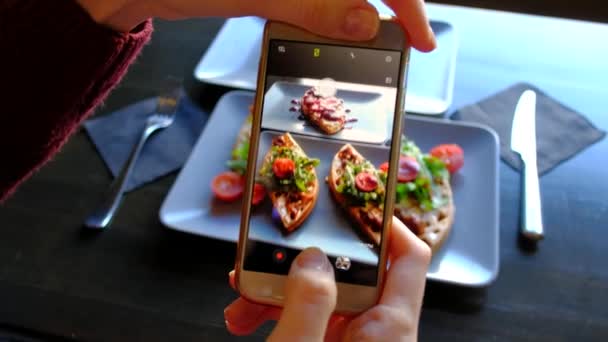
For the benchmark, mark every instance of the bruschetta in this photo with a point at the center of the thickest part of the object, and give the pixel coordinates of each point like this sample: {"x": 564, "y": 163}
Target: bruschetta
{"x": 359, "y": 188}
{"x": 323, "y": 110}
{"x": 291, "y": 181}
{"x": 424, "y": 200}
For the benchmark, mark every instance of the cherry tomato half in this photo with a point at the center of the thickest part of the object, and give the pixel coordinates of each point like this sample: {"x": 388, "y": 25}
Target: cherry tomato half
{"x": 408, "y": 169}
{"x": 283, "y": 167}
{"x": 451, "y": 154}
{"x": 228, "y": 186}
{"x": 366, "y": 182}
{"x": 259, "y": 192}
{"x": 383, "y": 167}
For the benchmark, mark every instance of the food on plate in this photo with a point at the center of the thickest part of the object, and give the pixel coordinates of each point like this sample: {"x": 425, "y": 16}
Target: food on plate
{"x": 228, "y": 186}
{"x": 259, "y": 193}
{"x": 323, "y": 109}
{"x": 359, "y": 189}
{"x": 451, "y": 155}
{"x": 424, "y": 199}
{"x": 291, "y": 180}
{"x": 240, "y": 150}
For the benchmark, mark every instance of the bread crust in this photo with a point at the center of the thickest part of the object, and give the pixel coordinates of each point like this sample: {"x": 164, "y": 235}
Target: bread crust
{"x": 434, "y": 226}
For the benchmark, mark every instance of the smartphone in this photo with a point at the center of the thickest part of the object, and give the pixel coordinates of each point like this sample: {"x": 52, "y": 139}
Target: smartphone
{"x": 323, "y": 158}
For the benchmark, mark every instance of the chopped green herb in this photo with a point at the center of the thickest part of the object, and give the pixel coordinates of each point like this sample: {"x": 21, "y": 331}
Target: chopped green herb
{"x": 237, "y": 165}
{"x": 241, "y": 151}
{"x": 436, "y": 166}
{"x": 423, "y": 189}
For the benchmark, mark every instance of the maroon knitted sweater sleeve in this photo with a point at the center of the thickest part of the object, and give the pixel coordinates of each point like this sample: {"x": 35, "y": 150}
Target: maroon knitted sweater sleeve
{"x": 56, "y": 65}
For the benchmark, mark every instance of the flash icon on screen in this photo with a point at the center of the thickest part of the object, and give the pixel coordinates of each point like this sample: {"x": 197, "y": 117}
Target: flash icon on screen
{"x": 316, "y": 52}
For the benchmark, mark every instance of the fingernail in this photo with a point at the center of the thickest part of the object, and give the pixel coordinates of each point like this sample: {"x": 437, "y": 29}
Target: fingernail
{"x": 313, "y": 259}
{"x": 361, "y": 23}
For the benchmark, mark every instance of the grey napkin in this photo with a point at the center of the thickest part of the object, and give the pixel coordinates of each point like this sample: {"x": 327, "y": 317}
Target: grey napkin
{"x": 114, "y": 136}
{"x": 554, "y": 121}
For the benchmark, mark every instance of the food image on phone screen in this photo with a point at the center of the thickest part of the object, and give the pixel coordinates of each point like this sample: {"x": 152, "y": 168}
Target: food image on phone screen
{"x": 324, "y": 143}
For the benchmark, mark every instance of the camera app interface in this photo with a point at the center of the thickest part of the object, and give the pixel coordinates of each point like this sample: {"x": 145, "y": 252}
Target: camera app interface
{"x": 327, "y": 119}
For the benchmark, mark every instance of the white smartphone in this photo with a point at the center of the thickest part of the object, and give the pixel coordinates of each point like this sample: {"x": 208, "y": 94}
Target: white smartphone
{"x": 323, "y": 157}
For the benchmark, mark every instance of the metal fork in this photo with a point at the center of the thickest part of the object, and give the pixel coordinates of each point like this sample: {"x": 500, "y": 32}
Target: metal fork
{"x": 162, "y": 118}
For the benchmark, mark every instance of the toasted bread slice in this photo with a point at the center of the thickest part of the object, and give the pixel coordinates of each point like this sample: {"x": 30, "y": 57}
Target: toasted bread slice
{"x": 325, "y": 112}
{"x": 367, "y": 217}
{"x": 293, "y": 207}
{"x": 434, "y": 226}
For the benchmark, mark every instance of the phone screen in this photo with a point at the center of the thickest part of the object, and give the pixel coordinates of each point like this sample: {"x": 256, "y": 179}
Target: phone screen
{"x": 322, "y": 158}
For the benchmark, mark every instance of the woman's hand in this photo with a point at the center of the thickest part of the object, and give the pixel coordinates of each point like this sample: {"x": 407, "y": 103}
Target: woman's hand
{"x": 342, "y": 19}
{"x": 311, "y": 298}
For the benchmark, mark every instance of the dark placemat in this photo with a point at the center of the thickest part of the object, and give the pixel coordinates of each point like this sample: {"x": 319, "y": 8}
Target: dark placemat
{"x": 561, "y": 132}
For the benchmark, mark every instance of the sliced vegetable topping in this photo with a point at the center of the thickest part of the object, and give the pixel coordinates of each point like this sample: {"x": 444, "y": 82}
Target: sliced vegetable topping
{"x": 366, "y": 181}
{"x": 383, "y": 167}
{"x": 259, "y": 193}
{"x": 283, "y": 168}
{"x": 278, "y": 175}
{"x": 451, "y": 154}
{"x": 362, "y": 183}
{"x": 408, "y": 169}
{"x": 227, "y": 186}
{"x": 423, "y": 189}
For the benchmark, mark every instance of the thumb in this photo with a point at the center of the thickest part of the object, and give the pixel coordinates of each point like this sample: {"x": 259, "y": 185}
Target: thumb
{"x": 341, "y": 19}
{"x": 310, "y": 298}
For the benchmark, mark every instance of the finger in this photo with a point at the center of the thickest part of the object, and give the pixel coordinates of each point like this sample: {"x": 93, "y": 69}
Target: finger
{"x": 341, "y": 19}
{"x": 310, "y": 298}
{"x": 406, "y": 277}
{"x": 243, "y": 317}
{"x": 413, "y": 17}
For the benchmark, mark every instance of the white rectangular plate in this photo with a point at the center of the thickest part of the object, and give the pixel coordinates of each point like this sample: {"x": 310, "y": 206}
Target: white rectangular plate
{"x": 232, "y": 61}
{"x": 468, "y": 257}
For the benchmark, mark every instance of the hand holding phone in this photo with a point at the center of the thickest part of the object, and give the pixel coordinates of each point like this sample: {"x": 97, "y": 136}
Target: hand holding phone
{"x": 327, "y": 115}
{"x": 395, "y": 319}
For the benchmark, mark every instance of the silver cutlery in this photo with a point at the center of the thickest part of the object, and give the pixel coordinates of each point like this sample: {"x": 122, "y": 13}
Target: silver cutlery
{"x": 162, "y": 118}
{"x": 523, "y": 142}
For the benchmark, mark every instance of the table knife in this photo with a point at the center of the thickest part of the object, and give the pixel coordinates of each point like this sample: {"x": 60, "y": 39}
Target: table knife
{"x": 523, "y": 142}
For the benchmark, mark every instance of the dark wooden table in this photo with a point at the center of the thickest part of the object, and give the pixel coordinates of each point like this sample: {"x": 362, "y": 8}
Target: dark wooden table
{"x": 140, "y": 281}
